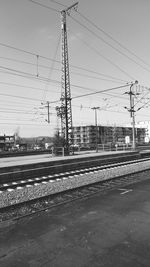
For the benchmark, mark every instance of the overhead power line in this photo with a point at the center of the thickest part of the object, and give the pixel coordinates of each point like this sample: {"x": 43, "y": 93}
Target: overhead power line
{"x": 104, "y": 32}
{"x": 98, "y": 73}
{"x": 113, "y": 39}
{"x": 105, "y": 58}
{"x": 25, "y": 86}
{"x": 18, "y": 49}
{"x": 56, "y": 2}
{"x": 42, "y": 5}
{"x": 102, "y": 91}
{"x": 45, "y": 79}
{"x": 110, "y": 45}
{"x": 15, "y": 103}
{"x": 27, "y": 124}
{"x": 111, "y": 79}
{"x": 28, "y": 98}
{"x": 51, "y": 69}
{"x": 57, "y": 61}
{"x": 97, "y": 92}
{"x": 139, "y": 100}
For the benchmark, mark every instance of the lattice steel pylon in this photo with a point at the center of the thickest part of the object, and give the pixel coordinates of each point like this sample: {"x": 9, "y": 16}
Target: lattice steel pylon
{"x": 66, "y": 110}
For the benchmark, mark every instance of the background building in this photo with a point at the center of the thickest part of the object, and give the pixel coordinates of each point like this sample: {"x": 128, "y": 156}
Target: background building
{"x": 6, "y": 142}
{"x": 85, "y": 136}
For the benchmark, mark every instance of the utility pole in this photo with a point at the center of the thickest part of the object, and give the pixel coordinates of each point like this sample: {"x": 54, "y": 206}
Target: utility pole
{"x": 48, "y": 108}
{"x": 66, "y": 116}
{"x": 59, "y": 115}
{"x": 132, "y": 113}
{"x": 96, "y": 127}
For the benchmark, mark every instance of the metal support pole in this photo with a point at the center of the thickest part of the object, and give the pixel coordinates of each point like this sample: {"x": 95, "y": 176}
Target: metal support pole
{"x": 66, "y": 118}
{"x": 96, "y": 127}
{"x": 48, "y": 115}
{"x": 132, "y": 114}
{"x": 48, "y": 111}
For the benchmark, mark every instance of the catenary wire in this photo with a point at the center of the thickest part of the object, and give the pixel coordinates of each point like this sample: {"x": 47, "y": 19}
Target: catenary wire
{"x": 58, "y": 3}
{"x": 113, "y": 39}
{"x": 29, "y": 87}
{"x": 27, "y": 98}
{"x": 112, "y": 79}
{"x": 52, "y": 68}
{"x": 105, "y": 58}
{"x": 58, "y": 61}
{"x": 110, "y": 45}
{"x": 98, "y": 92}
{"x": 44, "y": 78}
{"x": 42, "y": 5}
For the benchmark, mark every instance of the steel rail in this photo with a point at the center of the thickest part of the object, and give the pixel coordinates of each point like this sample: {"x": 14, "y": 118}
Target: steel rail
{"x": 34, "y": 170}
{"x": 14, "y": 212}
{"x": 40, "y": 179}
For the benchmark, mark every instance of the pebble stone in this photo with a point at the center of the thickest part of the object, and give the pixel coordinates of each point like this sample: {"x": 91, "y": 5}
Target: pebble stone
{"x": 25, "y": 193}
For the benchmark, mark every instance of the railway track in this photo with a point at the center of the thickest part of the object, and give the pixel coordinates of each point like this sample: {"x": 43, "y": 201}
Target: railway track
{"x": 10, "y": 185}
{"x": 27, "y": 171}
{"x": 30, "y": 208}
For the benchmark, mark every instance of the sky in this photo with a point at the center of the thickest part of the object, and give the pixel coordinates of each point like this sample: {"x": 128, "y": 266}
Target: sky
{"x": 108, "y": 46}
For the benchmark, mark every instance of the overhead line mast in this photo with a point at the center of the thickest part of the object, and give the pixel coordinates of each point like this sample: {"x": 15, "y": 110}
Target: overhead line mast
{"x": 66, "y": 110}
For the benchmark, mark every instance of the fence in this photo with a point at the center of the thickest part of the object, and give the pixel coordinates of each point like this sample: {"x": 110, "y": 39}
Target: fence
{"x": 109, "y": 147}
{"x": 57, "y": 151}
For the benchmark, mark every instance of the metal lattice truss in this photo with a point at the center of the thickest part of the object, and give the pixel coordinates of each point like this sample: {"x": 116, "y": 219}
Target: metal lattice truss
{"x": 142, "y": 96}
{"x": 65, "y": 109}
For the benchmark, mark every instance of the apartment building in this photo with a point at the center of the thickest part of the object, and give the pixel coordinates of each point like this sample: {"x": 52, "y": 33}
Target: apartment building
{"x": 85, "y": 136}
{"x": 6, "y": 142}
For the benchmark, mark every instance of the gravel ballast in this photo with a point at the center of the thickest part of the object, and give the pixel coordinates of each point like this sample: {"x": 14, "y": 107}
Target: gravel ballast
{"x": 30, "y": 192}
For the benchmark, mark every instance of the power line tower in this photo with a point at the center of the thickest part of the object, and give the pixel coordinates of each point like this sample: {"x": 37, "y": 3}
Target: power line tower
{"x": 132, "y": 113}
{"x": 66, "y": 110}
{"x": 96, "y": 127}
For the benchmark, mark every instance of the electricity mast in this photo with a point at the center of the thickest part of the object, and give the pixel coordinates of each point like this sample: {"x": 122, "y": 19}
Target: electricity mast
{"x": 96, "y": 127}
{"x": 132, "y": 113}
{"x": 66, "y": 110}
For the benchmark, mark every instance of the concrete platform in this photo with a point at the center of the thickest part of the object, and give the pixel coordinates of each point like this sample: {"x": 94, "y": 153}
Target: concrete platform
{"x": 108, "y": 230}
{"x": 33, "y": 159}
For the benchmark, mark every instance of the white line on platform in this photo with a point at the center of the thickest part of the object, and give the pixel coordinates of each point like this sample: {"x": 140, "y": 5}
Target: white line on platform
{"x": 126, "y": 192}
{"x": 10, "y": 189}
